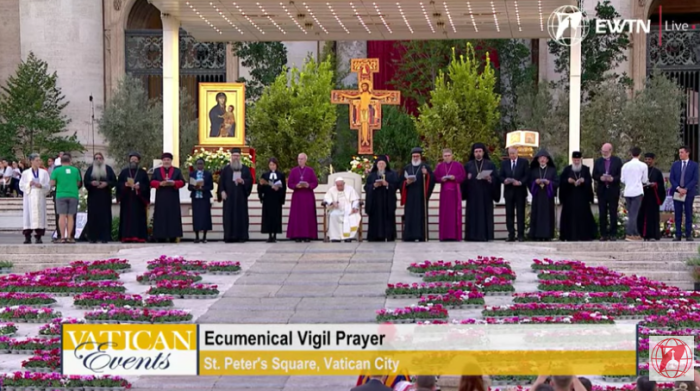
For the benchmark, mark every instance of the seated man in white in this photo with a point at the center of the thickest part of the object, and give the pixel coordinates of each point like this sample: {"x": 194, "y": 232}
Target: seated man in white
{"x": 343, "y": 211}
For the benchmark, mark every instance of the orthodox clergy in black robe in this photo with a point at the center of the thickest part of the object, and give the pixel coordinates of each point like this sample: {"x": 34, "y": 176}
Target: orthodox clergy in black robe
{"x": 380, "y": 201}
{"x": 167, "y": 218}
{"x": 200, "y": 186}
{"x": 272, "y": 192}
{"x": 480, "y": 191}
{"x": 648, "y": 220}
{"x": 543, "y": 187}
{"x": 235, "y": 186}
{"x": 99, "y": 181}
{"x": 416, "y": 189}
{"x": 576, "y": 196}
{"x": 133, "y": 195}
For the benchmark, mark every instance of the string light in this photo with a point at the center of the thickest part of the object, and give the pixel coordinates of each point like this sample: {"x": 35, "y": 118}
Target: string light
{"x": 248, "y": 18}
{"x": 471, "y": 13}
{"x": 270, "y": 19}
{"x": 427, "y": 19}
{"x": 517, "y": 16}
{"x": 449, "y": 17}
{"x": 495, "y": 18}
{"x": 223, "y": 15}
{"x": 404, "y": 17}
{"x": 203, "y": 18}
{"x": 316, "y": 20}
{"x": 289, "y": 13}
{"x": 340, "y": 22}
{"x": 362, "y": 22}
{"x": 376, "y": 8}
{"x": 539, "y": 5}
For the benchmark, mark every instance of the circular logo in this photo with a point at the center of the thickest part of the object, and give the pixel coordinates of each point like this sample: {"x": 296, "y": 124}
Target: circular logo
{"x": 562, "y": 20}
{"x": 672, "y": 358}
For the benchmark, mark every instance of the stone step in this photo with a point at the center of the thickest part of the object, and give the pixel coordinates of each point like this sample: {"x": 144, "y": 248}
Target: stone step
{"x": 626, "y": 266}
{"x": 51, "y": 250}
{"x": 649, "y": 256}
{"x": 622, "y": 246}
{"x": 23, "y": 263}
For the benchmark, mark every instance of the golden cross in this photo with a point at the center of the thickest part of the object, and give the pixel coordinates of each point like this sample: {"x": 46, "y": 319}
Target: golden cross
{"x": 365, "y": 103}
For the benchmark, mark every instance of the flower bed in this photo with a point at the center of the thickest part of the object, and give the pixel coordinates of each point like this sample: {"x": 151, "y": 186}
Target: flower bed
{"x": 44, "y": 362}
{"x": 416, "y": 289}
{"x": 634, "y": 295}
{"x": 28, "y": 314}
{"x": 412, "y": 314}
{"x": 468, "y": 274}
{"x": 96, "y": 275}
{"x": 455, "y": 299}
{"x": 592, "y": 286}
{"x": 7, "y": 329}
{"x": 164, "y": 261}
{"x": 184, "y": 289}
{"x": 53, "y": 328}
{"x": 6, "y": 266}
{"x": 27, "y": 299}
{"x": 92, "y": 300}
{"x": 495, "y": 285}
{"x": 144, "y": 315}
{"x": 29, "y": 345}
{"x": 167, "y": 273}
{"x": 547, "y": 309}
{"x": 61, "y": 287}
{"x": 548, "y": 264}
{"x": 224, "y": 267}
{"x": 673, "y": 321}
{"x": 428, "y": 266}
{"x": 23, "y": 380}
{"x": 120, "y": 265}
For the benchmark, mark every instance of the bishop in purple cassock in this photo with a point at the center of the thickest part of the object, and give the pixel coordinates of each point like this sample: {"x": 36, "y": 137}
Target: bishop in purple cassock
{"x": 302, "y": 225}
{"x": 450, "y": 175}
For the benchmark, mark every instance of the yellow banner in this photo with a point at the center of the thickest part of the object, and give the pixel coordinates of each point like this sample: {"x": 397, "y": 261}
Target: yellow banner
{"x": 341, "y": 363}
{"x": 130, "y": 337}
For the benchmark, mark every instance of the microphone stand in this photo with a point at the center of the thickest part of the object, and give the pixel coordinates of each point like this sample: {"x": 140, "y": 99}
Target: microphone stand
{"x": 92, "y": 124}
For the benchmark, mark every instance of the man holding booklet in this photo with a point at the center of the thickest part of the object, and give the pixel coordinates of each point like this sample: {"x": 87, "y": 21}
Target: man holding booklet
{"x": 481, "y": 189}
{"x": 200, "y": 187}
{"x": 36, "y": 185}
{"x": 167, "y": 220}
{"x": 684, "y": 180}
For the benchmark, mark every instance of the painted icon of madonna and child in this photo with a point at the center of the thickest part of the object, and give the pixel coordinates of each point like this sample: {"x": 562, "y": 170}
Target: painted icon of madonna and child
{"x": 222, "y": 118}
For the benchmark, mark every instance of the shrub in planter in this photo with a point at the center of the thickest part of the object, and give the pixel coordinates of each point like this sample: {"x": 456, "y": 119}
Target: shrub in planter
{"x": 23, "y": 313}
{"x": 43, "y": 361}
{"x": 7, "y": 328}
{"x": 223, "y": 267}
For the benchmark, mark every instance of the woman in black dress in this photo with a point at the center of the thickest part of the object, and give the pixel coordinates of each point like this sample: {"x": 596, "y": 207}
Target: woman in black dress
{"x": 200, "y": 187}
{"x": 272, "y": 192}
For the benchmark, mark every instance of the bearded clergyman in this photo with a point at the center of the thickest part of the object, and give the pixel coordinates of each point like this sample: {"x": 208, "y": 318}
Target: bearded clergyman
{"x": 576, "y": 197}
{"x": 99, "y": 181}
{"x": 134, "y": 195}
{"x": 235, "y": 186}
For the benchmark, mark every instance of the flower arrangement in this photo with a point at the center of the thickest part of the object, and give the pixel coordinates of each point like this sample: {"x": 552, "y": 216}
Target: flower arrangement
{"x": 469, "y": 274}
{"x": 28, "y": 314}
{"x": 548, "y": 264}
{"x": 216, "y": 160}
{"x": 419, "y": 289}
{"x": 361, "y": 165}
{"x": 579, "y": 318}
{"x": 27, "y": 299}
{"x": 53, "y": 328}
{"x": 24, "y": 380}
{"x": 7, "y": 329}
{"x": 144, "y": 315}
{"x": 184, "y": 289}
{"x": 180, "y": 262}
{"x": 455, "y": 298}
{"x": 223, "y": 267}
{"x": 495, "y": 285}
{"x": 111, "y": 264}
{"x": 167, "y": 273}
{"x": 44, "y": 362}
{"x": 56, "y": 286}
{"x": 674, "y": 320}
{"x": 96, "y": 275}
{"x": 102, "y": 299}
{"x": 159, "y": 301}
{"x": 32, "y": 344}
{"x": 427, "y": 266}
{"x": 617, "y": 310}
{"x": 635, "y": 295}
{"x": 412, "y": 314}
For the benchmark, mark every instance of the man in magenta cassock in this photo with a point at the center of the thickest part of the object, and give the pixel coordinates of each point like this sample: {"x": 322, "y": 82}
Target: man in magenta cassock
{"x": 450, "y": 175}
{"x": 302, "y": 224}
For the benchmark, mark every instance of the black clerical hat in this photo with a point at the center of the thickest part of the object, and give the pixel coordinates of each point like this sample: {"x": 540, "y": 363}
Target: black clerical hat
{"x": 417, "y": 150}
{"x": 167, "y": 155}
{"x": 650, "y": 155}
{"x": 134, "y": 154}
{"x": 576, "y": 155}
{"x": 235, "y": 150}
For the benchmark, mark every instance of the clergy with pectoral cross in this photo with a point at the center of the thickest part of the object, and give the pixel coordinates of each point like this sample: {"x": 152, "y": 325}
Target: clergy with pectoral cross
{"x": 543, "y": 187}
{"x": 416, "y": 188}
{"x": 235, "y": 186}
{"x": 450, "y": 175}
{"x": 343, "y": 205}
{"x": 576, "y": 196}
{"x": 133, "y": 196}
{"x": 167, "y": 219}
{"x": 481, "y": 189}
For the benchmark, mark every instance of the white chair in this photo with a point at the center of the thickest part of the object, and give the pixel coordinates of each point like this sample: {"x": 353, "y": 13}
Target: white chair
{"x": 353, "y": 180}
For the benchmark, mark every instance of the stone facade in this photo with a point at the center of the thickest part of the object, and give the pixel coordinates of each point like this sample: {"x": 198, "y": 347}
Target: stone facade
{"x": 10, "y": 43}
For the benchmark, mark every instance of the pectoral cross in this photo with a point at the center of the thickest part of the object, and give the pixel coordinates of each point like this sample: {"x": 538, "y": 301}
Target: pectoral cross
{"x": 365, "y": 103}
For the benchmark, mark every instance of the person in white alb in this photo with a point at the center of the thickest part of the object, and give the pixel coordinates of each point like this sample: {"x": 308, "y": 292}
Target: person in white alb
{"x": 344, "y": 211}
{"x": 36, "y": 184}
{"x": 635, "y": 175}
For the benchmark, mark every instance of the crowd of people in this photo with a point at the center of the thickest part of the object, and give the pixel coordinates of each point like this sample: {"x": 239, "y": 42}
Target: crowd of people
{"x": 478, "y": 182}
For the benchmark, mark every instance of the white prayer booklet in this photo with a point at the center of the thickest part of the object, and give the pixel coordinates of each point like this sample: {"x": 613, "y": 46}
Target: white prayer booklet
{"x": 195, "y": 182}
{"x": 236, "y": 175}
{"x": 304, "y": 183}
{"x": 277, "y": 183}
{"x": 679, "y": 197}
{"x": 484, "y": 174}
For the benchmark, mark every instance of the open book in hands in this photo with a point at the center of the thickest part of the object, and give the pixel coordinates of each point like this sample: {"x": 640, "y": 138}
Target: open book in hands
{"x": 484, "y": 174}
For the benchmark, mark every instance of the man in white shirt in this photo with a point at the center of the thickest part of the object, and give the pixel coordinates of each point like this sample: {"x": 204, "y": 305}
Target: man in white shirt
{"x": 635, "y": 175}
{"x": 344, "y": 211}
{"x": 5, "y": 178}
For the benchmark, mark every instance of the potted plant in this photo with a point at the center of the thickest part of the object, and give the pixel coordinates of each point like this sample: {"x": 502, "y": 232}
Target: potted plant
{"x": 694, "y": 264}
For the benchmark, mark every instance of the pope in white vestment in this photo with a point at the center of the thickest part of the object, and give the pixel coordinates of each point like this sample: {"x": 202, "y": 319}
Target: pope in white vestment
{"x": 343, "y": 211}
{"x": 36, "y": 185}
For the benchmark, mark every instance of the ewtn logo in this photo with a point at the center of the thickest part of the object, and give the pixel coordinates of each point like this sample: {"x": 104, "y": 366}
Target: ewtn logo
{"x": 603, "y": 26}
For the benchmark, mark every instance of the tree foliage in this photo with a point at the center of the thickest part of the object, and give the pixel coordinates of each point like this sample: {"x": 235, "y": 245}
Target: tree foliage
{"x": 189, "y": 126}
{"x": 601, "y": 54}
{"x": 515, "y": 70}
{"x": 603, "y": 119}
{"x": 463, "y": 108}
{"x": 31, "y": 113}
{"x": 132, "y": 122}
{"x": 544, "y": 109}
{"x": 266, "y": 60}
{"x": 295, "y": 115}
{"x": 397, "y": 136}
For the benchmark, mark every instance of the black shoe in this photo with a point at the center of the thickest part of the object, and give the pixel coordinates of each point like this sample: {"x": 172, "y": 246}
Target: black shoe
{"x": 688, "y": 239}
{"x": 676, "y": 239}
{"x": 335, "y": 241}
{"x": 196, "y": 240}
{"x": 297, "y": 240}
{"x": 27, "y": 240}
{"x": 510, "y": 239}
{"x": 348, "y": 240}
{"x": 204, "y": 240}
{"x": 612, "y": 239}
{"x": 307, "y": 240}
{"x": 92, "y": 242}
{"x": 38, "y": 241}
{"x": 603, "y": 239}
{"x": 270, "y": 240}
{"x": 521, "y": 239}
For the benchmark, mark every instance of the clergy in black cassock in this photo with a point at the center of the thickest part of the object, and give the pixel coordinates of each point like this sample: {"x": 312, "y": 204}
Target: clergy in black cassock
{"x": 272, "y": 192}
{"x": 576, "y": 196}
{"x": 480, "y": 191}
{"x": 416, "y": 188}
{"x": 380, "y": 201}
{"x": 648, "y": 221}
{"x": 167, "y": 218}
{"x": 200, "y": 186}
{"x": 133, "y": 195}
{"x": 235, "y": 186}
{"x": 99, "y": 181}
{"x": 543, "y": 187}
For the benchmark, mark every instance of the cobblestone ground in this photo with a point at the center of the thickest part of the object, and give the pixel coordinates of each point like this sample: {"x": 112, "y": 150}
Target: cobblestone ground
{"x": 301, "y": 283}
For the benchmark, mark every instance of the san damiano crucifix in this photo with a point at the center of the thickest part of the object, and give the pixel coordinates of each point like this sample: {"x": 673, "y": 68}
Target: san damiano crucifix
{"x": 365, "y": 103}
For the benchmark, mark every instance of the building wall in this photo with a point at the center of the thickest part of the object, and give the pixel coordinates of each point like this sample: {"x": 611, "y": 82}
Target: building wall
{"x": 74, "y": 49}
{"x": 9, "y": 44}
